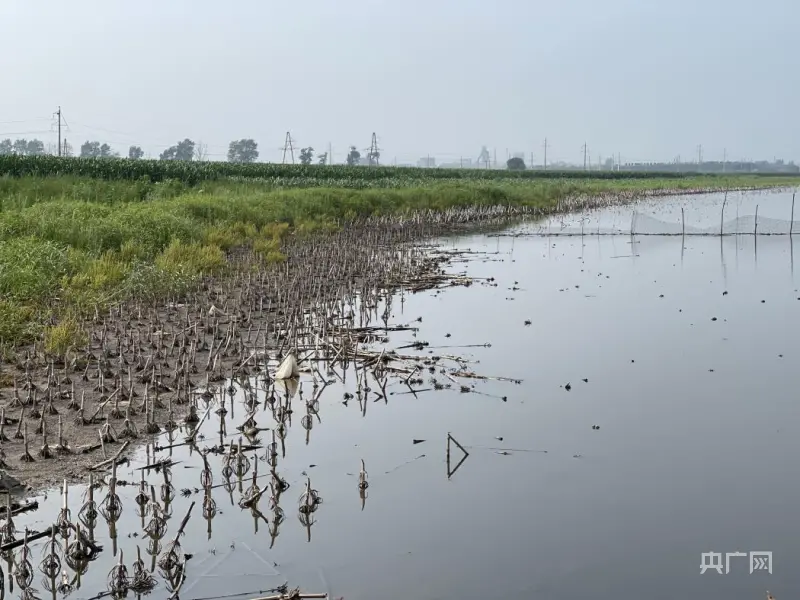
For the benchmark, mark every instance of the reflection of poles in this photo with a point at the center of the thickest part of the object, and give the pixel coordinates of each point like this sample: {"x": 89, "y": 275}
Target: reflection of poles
{"x": 755, "y": 237}
{"x": 309, "y": 501}
{"x": 23, "y": 572}
{"x": 209, "y": 509}
{"x": 64, "y": 516}
{"x": 51, "y": 563}
{"x": 277, "y": 486}
{"x": 683, "y": 224}
{"x": 722, "y": 213}
{"x": 88, "y": 512}
{"x": 307, "y": 423}
{"x": 363, "y": 484}
{"x": 118, "y": 581}
{"x": 172, "y": 560}
{"x": 142, "y": 498}
{"x": 7, "y": 536}
{"x": 111, "y": 508}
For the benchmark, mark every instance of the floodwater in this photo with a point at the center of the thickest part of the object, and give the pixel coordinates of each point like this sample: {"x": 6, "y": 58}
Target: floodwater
{"x": 690, "y": 348}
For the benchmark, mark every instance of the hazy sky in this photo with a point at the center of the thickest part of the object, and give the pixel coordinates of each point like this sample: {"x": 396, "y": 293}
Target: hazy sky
{"x": 647, "y": 79}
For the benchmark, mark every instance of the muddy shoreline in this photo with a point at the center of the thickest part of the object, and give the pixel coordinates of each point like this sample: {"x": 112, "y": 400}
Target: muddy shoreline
{"x": 151, "y": 367}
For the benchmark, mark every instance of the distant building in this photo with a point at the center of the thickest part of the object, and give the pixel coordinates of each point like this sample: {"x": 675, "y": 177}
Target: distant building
{"x": 427, "y": 162}
{"x": 763, "y": 166}
{"x": 461, "y": 163}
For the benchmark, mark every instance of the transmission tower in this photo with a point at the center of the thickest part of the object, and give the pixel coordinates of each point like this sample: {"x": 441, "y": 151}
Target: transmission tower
{"x": 374, "y": 153}
{"x": 483, "y": 157}
{"x": 544, "y": 164}
{"x": 288, "y": 146}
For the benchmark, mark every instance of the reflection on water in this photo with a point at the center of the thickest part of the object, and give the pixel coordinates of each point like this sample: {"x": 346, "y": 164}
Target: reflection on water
{"x": 652, "y": 423}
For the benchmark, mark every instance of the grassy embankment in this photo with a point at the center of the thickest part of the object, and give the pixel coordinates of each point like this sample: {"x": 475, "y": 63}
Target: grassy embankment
{"x": 71, "y": 243}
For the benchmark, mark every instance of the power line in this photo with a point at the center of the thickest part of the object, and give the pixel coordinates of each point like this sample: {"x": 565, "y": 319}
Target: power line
{"x": 24, "y": 121}
{"x": 26, "y": 132}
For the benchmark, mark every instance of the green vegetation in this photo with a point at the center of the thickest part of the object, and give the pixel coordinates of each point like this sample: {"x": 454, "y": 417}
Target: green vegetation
{"x": 77, "y": 235}
{"x": 192, "y": 172}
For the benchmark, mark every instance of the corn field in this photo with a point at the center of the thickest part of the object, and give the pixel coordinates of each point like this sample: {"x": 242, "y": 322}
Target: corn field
{"x": 192, "y": 173}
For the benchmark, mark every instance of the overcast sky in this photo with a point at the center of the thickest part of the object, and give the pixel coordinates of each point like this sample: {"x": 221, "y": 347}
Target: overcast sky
{"x": 644, "y": 78}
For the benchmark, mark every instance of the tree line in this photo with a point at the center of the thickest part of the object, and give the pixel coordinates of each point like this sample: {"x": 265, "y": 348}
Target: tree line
{"x": 239, "y": 151}
{"x": 22, "y": 147}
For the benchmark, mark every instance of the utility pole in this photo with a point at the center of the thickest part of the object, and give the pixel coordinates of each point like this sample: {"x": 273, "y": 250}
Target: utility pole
{"x": 545, "y": 154}
{"x": 58, "y": 114}
{"x": 495, "y": 158}
{"x": 699, "y": 155}
{"x": 584, "y": 155}
{"x": 330, "y": 154}
{"x": 288, "y": 146}
{"x": 619, "y": 162}
{"x": 531, "y": 163}
{"x": 724, "y": 158}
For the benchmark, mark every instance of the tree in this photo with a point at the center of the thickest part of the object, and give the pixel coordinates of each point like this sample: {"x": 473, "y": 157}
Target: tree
{"x": 515, "y": 164}
{"x": 35, "y": 148}
{"x": 97, "y": 150}
{"x": 323, "y": 158}
{"x": 181, "y": 151}
{"x": 135, "y": 153}
{"x": 243, "y": 151}
{"x": 169, "y": 153}
{"x": 201, "y": 151}
{"x": 306, "y": 155}
{"x": 21, "y": 147}
{"x": 354, "y": 157}
{"x": 90, "y": 149}
{"x": 107, "y": 152}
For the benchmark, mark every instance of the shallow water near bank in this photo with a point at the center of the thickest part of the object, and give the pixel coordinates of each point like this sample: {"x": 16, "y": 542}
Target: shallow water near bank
{"x": 693, "y": 390}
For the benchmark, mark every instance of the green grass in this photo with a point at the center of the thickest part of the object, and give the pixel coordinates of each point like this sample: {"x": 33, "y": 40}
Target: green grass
{"x": 72, "y": 244}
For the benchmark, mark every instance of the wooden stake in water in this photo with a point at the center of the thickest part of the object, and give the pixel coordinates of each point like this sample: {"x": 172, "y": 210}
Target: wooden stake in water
{"x": 683, "y": 224}
{"x": 791, "y": 221}
{"x": 755, "y": 231}
{"x": 722, "y": 213}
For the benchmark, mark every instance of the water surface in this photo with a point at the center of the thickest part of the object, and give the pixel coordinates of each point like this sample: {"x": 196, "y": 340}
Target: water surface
{"x": 693, "y": 390}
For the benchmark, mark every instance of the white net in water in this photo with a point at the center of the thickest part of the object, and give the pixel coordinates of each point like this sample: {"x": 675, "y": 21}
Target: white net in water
{"x": 712, "y": 215}
{"x": 643, "y": 224}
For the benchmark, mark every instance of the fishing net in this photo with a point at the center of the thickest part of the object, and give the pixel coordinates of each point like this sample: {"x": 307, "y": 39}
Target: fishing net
{"x": 712, "y": 215}
{"x": 639, "y": 223}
